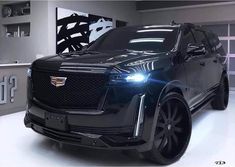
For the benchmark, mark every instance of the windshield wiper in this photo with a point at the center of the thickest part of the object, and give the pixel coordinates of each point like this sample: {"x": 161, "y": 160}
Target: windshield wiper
{"x": 78, "y": 53}
{"x": 90, "y": 52}
{"x": 69, "y": 54}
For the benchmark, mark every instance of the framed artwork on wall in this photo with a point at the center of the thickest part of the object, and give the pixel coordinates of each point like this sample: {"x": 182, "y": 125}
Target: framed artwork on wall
{"x": 98, "y": 25}
{"x": 76, "y": 29}
{"x": 72, "y": 30}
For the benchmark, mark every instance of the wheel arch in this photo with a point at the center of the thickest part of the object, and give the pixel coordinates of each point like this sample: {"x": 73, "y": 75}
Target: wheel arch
{"x": 172, "y": 86}
{"x": 225, "y": 73}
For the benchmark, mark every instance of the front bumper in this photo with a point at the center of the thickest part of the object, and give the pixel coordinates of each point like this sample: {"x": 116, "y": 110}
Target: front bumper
{"x": 125, "y": 120}
{"x": 113, "y": 142}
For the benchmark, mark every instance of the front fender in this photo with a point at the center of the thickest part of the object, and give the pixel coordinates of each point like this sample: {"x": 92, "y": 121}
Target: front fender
{"x": 153, "y": 102}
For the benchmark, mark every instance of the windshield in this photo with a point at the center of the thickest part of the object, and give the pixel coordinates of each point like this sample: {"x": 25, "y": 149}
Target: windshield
{"x": 160, "y": 39}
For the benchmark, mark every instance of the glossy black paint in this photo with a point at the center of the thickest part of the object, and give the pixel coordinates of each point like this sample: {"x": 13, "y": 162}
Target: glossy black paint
{"x": 190, "y": 69}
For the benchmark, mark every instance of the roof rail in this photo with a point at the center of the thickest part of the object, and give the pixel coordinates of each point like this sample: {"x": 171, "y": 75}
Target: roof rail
{"x": 189, "y": 25}
{"x": 173, "y": 23}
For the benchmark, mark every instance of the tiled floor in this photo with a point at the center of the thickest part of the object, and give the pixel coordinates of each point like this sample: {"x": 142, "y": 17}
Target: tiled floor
{"x": 213, "y": 139}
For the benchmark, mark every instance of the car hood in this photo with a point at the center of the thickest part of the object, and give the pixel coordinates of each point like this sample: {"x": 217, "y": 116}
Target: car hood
{"x": 115, "y": 61}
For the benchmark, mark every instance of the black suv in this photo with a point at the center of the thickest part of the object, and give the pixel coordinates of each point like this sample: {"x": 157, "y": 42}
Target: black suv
{"x": 134, "y": 88}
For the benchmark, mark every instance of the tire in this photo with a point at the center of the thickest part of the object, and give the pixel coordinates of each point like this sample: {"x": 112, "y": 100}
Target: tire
{"x": 173, "y": 130}
{"x": 221, "y": 98}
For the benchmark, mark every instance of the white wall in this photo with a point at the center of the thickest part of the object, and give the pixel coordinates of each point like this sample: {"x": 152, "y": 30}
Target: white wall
{"x": 43, "y": 22}
{"x": 219, "y": 13}
{"x": 19, "y": 97}
{"x": 124, "y": 11}
{"x": 42, "y": 39}
{"x": 25, "y": 49}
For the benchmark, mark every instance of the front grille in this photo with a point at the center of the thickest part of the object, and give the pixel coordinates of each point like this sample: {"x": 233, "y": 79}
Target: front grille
{"x": 81, "y": 90}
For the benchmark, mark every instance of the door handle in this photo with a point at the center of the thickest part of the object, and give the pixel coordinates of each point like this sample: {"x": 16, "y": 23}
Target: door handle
{"x": 202, "y": 63}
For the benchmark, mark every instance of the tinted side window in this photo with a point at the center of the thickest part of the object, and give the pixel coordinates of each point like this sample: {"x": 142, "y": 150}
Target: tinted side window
{"x": 187, "y": 38}
{"x": 216, "y": 45}
{"x": 201, "y": 39}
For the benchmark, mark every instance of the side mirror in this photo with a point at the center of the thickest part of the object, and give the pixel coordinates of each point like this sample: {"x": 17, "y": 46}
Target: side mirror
{"x": 196, "y": 49}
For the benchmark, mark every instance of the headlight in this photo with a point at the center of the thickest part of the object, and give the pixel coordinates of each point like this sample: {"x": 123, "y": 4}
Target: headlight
{"x": 136, "y": 78}
{"x": 29, "y": 72}
{"x": 130, "y": 78}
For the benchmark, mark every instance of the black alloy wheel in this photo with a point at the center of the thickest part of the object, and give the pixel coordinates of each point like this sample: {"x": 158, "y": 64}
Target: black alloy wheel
{"x": 226, "y": 93}
{"x": 173, "y": 130}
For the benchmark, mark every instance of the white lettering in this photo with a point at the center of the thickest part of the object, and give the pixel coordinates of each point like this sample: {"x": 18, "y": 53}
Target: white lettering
{"x": 4, "y": 87}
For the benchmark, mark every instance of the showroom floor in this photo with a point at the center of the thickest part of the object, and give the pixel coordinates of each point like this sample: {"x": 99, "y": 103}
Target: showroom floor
{"x": 213, "y": 139}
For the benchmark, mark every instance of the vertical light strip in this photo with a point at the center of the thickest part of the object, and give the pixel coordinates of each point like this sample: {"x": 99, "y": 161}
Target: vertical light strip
{"x": 228, "y": 54}
{"x": 228, "y": 69}
{"x": 140, "y": 118}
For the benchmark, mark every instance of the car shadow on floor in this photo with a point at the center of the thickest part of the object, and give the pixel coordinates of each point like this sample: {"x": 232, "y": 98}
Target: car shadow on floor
{"x": 72, "y": 155}
{"x": 203, "y": 114}
{"x": 89, "y": 156}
